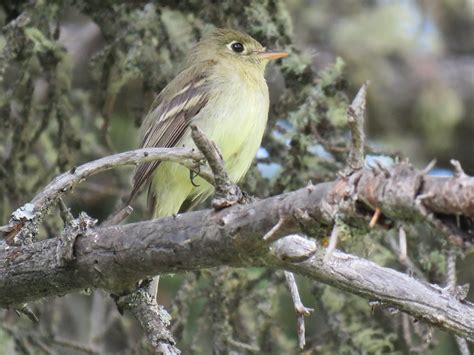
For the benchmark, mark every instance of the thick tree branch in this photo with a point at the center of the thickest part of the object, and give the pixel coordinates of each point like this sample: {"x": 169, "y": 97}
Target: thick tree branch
{"x": 403, "y": 193}
{"x": 114, "y": 258}
{"x": 451, "y": 195}
{"x": 391, "y": 288}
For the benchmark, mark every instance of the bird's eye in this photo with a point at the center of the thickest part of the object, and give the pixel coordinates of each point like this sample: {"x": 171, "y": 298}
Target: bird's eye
{"x": 237, "y": 47}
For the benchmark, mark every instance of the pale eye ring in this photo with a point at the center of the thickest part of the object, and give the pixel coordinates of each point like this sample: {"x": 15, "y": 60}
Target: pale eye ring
{"x": 237, "y": 47}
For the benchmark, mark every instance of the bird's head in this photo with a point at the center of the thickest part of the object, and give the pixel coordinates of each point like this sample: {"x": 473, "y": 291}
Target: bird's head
{"x": 235, "y": 48}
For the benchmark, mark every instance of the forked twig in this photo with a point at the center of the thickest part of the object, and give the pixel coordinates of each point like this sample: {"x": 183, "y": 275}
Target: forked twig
{"x": 300, "y": 309}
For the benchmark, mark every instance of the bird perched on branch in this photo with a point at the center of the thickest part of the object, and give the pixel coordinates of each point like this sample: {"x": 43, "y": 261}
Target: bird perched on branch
{"x": 222, "y": 90}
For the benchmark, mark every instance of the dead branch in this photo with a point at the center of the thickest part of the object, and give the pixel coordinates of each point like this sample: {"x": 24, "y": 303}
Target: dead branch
{"x": 67, "y": 181}
{"x": 436, "y": 200}
{"x": 226, "y": 192}
{"x": 355, "y": 119}
{"x": 152, "y": 317}
{"x": 110, "y": 258}
{"x": 450, "y": 195}
{"x": 115, "y": 258}
{"x": 451, "y": 281}
{"x": 300, "y": 309}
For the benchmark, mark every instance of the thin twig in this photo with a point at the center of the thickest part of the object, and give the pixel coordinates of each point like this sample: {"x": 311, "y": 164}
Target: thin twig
{"x": 332, "y": 241}
{"x": 27, "y": 311}
{"x": 272, "y": 235}
{"x": 118, "y": 217}
{"x": 49, "y": 195}
{"x": 406, "y": 330}
{"x": 300, "y": 309}
{"x": 355, "y": 119}
{"x": 227, "y": 193}
{"x": 451, "y": 281}
{"x": 462, "y": 345}
{"x": 429, "y": 167}
{"x": 65, "y": 182}
{"x": 402, "y": 243}
{"x": 65, "y": 212}
{"x": 406, "y": 260}
{"x": 375, "y": 217}
{"x": 458, "y": 170}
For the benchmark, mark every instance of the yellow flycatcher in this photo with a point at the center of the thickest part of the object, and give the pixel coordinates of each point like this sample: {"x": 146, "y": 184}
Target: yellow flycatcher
{"x": 222, "y": 90}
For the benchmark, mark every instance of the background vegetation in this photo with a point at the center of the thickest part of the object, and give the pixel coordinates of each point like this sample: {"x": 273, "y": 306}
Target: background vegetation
{"x": 78, "y": 76}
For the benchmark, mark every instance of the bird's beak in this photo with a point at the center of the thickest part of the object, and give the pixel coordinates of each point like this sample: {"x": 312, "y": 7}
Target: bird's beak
{"x": 270, "y": 54}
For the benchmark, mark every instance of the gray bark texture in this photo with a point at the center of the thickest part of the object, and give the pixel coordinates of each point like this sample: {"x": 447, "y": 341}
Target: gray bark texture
{"x": 115, "y": 258}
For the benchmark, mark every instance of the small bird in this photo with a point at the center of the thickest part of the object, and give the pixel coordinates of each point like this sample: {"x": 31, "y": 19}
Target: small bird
{"x": 222, "y": 90}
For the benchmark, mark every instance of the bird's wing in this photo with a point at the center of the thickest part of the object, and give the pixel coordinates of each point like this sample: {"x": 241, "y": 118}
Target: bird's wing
{"x": 170, "y": 115}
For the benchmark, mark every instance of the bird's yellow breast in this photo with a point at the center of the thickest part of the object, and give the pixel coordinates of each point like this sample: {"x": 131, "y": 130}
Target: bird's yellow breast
{"x": 234, "y": 118}
{"x": 238, "y": 126}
